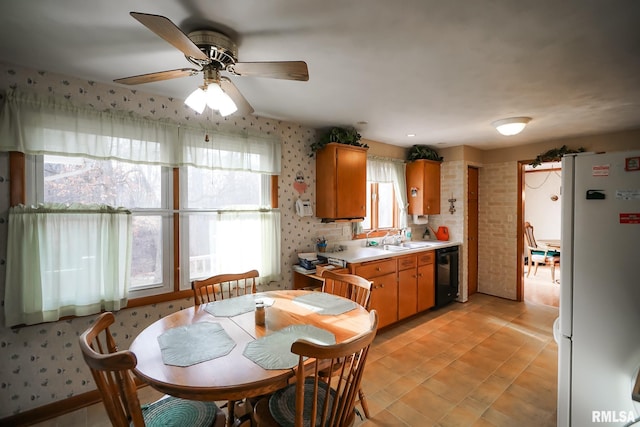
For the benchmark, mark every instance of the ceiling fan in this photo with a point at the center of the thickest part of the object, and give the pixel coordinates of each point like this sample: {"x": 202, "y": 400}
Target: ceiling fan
{"x": 212, "y": 52}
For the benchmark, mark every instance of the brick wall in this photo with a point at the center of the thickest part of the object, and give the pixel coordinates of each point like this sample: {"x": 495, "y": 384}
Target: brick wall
{"x": 497, "y": 240}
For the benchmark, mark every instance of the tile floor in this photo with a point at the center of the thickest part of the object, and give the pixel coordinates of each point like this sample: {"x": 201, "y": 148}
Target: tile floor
{"x": 540, "y": 289}
{"x": 488, "y": 362}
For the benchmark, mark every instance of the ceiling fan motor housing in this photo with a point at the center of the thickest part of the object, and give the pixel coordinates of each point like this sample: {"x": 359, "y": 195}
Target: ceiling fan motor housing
{"x": 218, "y": 47}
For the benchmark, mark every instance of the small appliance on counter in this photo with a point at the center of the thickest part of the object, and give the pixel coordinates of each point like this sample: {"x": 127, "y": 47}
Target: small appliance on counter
{"x": 308, "y": 261}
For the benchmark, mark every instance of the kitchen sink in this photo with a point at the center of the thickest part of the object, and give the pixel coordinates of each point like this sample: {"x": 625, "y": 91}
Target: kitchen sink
{"x": 416, "y": 245}
{"x": 396, "y": 248}
{"x": 406, "y": 246}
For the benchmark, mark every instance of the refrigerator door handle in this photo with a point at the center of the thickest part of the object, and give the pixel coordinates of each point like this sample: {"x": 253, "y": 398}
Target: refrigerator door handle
{"x": 557, "y": 335}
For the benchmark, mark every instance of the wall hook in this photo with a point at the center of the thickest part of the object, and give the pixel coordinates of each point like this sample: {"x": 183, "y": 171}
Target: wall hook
{"x": 452, "y": 208}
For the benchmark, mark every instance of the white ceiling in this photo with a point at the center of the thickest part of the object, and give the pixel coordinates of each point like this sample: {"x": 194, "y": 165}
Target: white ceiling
{"x": 440, "y": 69}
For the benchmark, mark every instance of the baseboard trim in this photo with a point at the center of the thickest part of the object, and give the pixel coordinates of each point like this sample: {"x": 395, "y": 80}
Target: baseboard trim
{"x": 52, "y": 410}
{"x": 55, "y": 409}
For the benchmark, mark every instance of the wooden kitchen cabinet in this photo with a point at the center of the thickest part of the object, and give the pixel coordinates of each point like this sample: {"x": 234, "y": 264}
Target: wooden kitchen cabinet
{"x": 426, "y": 281}
{"x": 309, "y": 281}
{"x": 341, "y": 178}
{"x": 384, "y": 291}
{"x": 407, "y": 286}
{"x": 402, "y": 285}
{"x": 423, "y": 187}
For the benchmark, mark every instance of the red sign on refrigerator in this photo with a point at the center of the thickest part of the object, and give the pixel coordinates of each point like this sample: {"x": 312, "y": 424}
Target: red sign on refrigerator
{"x": 630, "y": 218}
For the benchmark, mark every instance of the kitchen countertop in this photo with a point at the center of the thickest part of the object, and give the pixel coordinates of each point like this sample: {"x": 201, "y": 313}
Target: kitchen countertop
{"x": 373, "y": 253}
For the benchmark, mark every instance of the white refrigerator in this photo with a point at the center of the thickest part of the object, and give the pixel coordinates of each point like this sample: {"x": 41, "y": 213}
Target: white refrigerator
{"x": 598, "y": 329}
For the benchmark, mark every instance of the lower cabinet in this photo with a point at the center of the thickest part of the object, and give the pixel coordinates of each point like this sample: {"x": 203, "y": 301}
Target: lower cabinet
{"x": 384, "y": 291}
{"x": 384, "y": 297}
{"x": 402, "y": 286}
{"x": 407, "y": 286}
{"x": 426, "y": 281}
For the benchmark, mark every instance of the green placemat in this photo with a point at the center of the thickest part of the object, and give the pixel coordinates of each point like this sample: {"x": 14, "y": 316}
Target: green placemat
{"x": 188, "y": 345}
{"x": 274, "y": 351}
{"x": 237, "y": 305}
{"x": 324, "y": 303}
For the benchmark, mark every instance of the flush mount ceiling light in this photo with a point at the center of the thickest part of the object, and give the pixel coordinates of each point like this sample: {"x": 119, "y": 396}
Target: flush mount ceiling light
{"x": 511, "y": 126}
{"x": 211, "y": 94}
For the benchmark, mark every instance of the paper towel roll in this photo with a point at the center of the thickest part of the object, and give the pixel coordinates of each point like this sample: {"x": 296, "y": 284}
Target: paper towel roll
{"x": 420, "y": 219}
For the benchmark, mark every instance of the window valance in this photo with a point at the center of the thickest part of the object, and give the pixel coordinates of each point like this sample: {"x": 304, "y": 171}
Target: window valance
{"x": 47, "y": 125}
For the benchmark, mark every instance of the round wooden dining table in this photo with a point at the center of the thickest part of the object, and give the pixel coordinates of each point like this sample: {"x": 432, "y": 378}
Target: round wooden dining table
{"x": 234, "y": 376}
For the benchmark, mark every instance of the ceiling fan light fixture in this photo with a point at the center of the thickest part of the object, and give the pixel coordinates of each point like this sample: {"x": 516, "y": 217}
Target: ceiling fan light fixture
{"x": 218, "y": 100}
{"x": 197, "y": 101}
{"x": 511, "y": 126}
{"x": 227, "y": 106}
{"x": 213, "y": 96}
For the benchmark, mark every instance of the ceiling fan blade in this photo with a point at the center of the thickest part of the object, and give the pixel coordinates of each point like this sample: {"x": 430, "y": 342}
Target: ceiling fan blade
{"x": 230, "y": 89}
{"x": 156, "y": 77}
{"x": 287, "y": 70}
{"x": 166, "y": 29}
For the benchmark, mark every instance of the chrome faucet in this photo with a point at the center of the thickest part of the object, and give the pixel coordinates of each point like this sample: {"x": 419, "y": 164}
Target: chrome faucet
{"x": 384, "y": 239}
{"x": 368, "y": 243}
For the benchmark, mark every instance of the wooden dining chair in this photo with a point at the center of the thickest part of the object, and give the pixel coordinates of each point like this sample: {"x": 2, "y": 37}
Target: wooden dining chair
{"x": 357, "y": 289}
{"x": 111, "y": 370}
{"x": 539, "y": 255}
{"x": 306, "y": 400}
{"x": 223, "y": 286}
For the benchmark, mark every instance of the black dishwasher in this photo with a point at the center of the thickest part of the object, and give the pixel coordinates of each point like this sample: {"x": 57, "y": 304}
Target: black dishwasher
{"x": 446, "y": 275}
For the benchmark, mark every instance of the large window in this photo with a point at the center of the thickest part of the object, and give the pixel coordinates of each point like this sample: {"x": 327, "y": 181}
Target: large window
{"x": 138, "y": 187}
{"x": 231, "y": 227}
{"x": 386, "y": 196}
{"x": 191, "y": 205}
{"x": 226, "y": 219}
{"x": 382, "y": 207}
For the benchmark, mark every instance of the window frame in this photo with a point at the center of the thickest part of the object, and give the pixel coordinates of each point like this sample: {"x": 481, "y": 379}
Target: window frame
{"x": 21, "y": 176}
{"x": 375, "y": 230}
{"x": 35, "y": 193}
{"x": 267, "y": 189}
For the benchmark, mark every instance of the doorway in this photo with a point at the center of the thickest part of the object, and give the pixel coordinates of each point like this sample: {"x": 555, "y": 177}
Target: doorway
{"x": 541, "y": 208}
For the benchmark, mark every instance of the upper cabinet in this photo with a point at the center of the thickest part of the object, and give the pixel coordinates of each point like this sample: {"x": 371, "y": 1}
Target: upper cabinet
{"x": 341, "y": 178}
{"x": 423, "y": 187}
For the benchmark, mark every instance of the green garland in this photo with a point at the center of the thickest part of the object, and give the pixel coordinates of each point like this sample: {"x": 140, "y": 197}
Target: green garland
{"x": 554, "y": 155}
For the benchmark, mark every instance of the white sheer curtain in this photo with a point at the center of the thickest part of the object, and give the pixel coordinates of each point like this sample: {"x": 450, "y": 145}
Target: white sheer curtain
{"x": 391, "y": 170}
{"x": 34, "y": 125}
{"x": 66, "y": 260}
{"x": 248, "y": 240}
{"x": 232, "y": 151}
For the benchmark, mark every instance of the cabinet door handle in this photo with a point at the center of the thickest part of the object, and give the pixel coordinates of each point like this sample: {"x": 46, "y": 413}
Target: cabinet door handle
{"x": 378, "y": 269}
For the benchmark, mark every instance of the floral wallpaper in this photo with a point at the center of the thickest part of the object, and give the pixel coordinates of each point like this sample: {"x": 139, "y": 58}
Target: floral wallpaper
{"x": 42, "y": 364}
